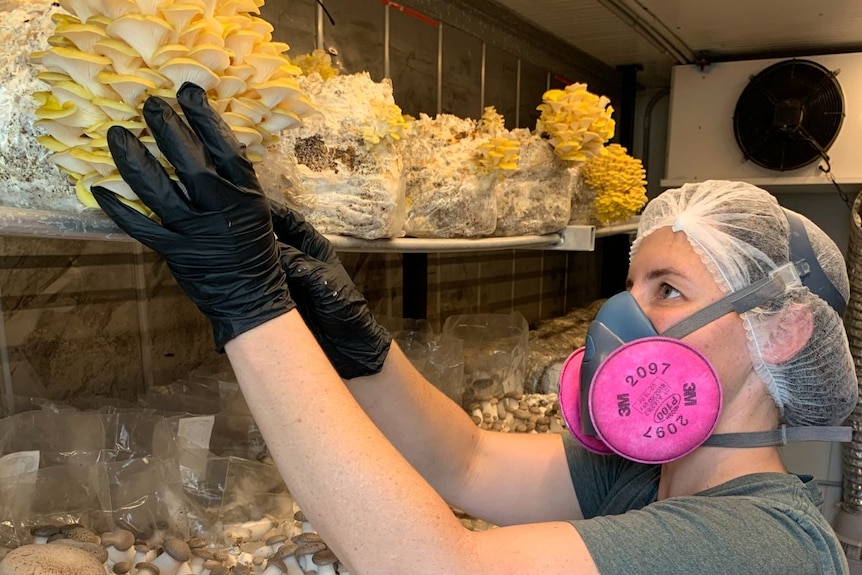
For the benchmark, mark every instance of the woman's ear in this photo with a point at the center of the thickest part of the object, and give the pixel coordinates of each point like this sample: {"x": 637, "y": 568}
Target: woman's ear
{"x": 788, "y": 332}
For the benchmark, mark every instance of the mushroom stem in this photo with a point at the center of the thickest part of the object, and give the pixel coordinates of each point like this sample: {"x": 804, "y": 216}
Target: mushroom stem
{"x": 249, "y": 531}
{"x": 176, "y": 552}
{"x": 41, "y": 533}
{"x": 146, "y": 568}
{"x": 120, "y": 546}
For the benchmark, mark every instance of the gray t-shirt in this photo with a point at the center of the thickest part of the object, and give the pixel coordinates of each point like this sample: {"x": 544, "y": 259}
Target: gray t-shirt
{"x": 763, "y": 524}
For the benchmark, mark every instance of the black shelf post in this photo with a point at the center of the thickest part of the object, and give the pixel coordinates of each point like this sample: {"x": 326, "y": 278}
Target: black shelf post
{"x": 615, "y": 249}
{"x": 414, "y": 278}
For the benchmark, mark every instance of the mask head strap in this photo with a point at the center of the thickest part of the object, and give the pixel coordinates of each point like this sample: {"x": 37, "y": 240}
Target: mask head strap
{"x": 812, "y": 275}
{"x": 746, "y": 299}
{"x": 781, "y": 436}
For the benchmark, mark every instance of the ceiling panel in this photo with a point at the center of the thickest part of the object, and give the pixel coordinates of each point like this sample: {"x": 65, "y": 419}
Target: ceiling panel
{"x": 760, "y": 26}
{"x": 592, "y": 28}
{"x": 730, "y": 28}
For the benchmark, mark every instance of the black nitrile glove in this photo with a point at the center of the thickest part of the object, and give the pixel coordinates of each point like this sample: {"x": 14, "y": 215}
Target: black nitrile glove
{"x": 215, "y": 233}
{"x": 334, "y": 310}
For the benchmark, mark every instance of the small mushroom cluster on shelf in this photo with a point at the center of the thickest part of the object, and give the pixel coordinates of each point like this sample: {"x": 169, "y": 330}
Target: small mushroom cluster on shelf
{"x": 516, "y": 412}
{"x": 255, "y": 550}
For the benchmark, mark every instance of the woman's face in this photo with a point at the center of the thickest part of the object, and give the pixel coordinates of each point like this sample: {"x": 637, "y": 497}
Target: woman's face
{"x": 670, "y": 282}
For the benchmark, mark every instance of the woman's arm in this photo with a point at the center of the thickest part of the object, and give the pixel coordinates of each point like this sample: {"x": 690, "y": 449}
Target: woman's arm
{"x": 216, "y": 236}
{"x": 503, "y": 478}
{"x": 366, "y": 500}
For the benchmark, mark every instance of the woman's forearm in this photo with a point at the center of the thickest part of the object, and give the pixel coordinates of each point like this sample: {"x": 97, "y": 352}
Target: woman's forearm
{"x": 430, "y": 430}
{"x": 334, "y": 460}
{"x": 504, "y": 478}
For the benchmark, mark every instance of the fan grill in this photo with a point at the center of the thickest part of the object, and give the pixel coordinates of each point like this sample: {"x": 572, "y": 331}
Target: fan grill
{"x": 789, "y": 114}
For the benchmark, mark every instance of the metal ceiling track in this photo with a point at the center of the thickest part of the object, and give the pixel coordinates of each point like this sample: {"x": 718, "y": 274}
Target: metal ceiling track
{"x": 647, "y": 25}
{"x": 495, "y": 23}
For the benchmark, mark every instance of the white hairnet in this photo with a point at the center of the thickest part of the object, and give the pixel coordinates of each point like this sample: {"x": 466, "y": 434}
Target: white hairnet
{"x": 742, "y": 234}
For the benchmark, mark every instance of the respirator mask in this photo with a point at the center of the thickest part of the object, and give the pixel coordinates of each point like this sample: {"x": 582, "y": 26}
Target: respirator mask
{"x": 652, "y": 398}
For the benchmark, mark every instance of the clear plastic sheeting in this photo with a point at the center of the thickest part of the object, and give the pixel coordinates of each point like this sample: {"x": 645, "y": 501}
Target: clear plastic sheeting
{"x": 495, "y": 354}
{"x": 96, "y": 469}
{"x": 439, "y": 357}
{"x": 552, "y": 342}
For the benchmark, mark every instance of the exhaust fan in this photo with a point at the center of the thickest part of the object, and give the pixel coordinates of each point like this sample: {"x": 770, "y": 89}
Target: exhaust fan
{"x": 789, "y": 115}
{"x": 777, "y": 121}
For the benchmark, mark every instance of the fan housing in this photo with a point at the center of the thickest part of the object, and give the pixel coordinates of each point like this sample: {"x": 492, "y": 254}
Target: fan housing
{"x": 789, "y": 114}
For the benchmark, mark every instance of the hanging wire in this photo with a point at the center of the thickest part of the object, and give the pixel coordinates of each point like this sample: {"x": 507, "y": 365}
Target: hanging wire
{"x": 828, "y": 169}
{"x": 325, "y": 11}
{"x": 841, "y": 193}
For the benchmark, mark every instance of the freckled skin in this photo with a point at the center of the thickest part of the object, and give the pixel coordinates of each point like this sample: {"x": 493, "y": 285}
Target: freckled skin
{"x": 723, "y": 341}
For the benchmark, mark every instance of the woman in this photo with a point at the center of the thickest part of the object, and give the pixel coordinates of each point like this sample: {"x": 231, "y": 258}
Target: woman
{"x": 375, "y": 461}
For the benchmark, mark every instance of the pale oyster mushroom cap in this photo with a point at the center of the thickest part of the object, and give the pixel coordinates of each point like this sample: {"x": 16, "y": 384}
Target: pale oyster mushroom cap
{"x": 143, "y": 33}
{"x": 82, "y": 67}
{"x": 122, "y": 539}
{"x": 124, "y": 58}
{"x": 230, "y": 86}
{"x": 308, "y": 537}
{"x": 83, "y": 36}
{"x": 179, "y": 14}
{"x": 116, "y": 53}
{"x": 181, "y": 70}
{"x": 50, "y": 560}
{"x": 324, "y": 557}
{"x": 177, "y": 548}
{"x": 80, "y": 533}
{"x": 169, "y": 51}
{"x": 212, "y": 56}
{"x": 197, "y": 543}
{"x": 94, "y": 549}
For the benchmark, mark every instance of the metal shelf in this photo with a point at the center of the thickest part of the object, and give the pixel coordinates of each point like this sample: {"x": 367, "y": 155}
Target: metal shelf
{"x": 92, "y": 224}
{"x": 87, "y": 224}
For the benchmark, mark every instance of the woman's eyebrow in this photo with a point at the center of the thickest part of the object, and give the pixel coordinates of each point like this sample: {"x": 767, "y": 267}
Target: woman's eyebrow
{"x": 663, "y": 272}
{"x": 655, "y": 274}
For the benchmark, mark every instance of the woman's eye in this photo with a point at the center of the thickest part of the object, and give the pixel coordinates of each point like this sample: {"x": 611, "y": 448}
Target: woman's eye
{"x": 667, "y": 291}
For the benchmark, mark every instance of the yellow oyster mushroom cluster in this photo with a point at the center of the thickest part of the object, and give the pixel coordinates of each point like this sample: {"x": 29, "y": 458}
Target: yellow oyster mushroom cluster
{"x": 492, "y": 122}
{"x": 389, "y": 124}
{"x": 500, "y": 153}
{"x": 108, "y": 56}
{"x": 619, "y": 183}
{"x": 319, "y": 62}
{"x": 577, "y": 122}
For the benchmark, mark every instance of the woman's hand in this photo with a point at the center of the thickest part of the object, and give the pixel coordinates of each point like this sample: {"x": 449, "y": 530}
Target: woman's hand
{"x": 334, "y": 310}
{"x": 215, "y": 232}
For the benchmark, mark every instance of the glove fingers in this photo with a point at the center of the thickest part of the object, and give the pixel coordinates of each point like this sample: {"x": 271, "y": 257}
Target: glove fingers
{"x": 225, "y": 151}
{"x": 133, "y": 222}
{"x": 145, "y": 175}
{"x": 181, "y": 148}
{"x": 292, "y": 229}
